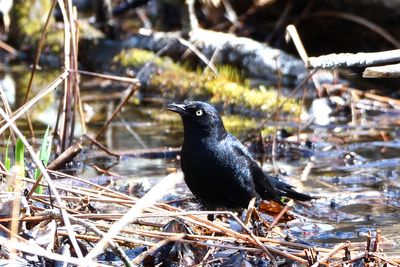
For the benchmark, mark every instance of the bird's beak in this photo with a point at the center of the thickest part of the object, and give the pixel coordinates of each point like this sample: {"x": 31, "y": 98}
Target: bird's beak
{"x": 178, "y": 108}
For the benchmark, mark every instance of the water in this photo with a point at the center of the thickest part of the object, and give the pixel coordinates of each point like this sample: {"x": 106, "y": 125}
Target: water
{"x": 354, "y": 170}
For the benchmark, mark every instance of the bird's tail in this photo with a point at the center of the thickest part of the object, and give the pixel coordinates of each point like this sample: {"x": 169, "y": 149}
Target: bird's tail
{"x": 286, "y": 190}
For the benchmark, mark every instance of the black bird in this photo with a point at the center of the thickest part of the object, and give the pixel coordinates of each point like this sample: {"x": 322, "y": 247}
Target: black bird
{"x": 217, "y": 168}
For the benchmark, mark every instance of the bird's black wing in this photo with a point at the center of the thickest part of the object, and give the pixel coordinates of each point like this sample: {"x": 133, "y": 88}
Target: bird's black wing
{"x": 262, "y": 184}
{"x": 268, "y": 187}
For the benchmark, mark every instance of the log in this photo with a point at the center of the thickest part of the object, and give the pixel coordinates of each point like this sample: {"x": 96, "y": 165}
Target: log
{"x": 258, "y": 60}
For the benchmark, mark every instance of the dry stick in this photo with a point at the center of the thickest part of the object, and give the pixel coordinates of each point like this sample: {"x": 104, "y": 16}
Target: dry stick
{"x": 39, "y": 165}
{"x": 133, "y": 132}
{"x": 75, "y": 74}
{"x": 119, "y": 239}
{"x": 91, "y": 199}
{"x": 256, "y": 240}
{"x": 123, "y": 240}
{"x": 384, "y": 99}
{"x": 359, "y": 256}
{"x": 266, "y": 248}
{"x": 23, "y": 109}
{"x": 65, "y": 111}
{"x": 62, "y": 159}
{"x": 65, "y": 157}
{"x": 78, "y": 100}
{"x": 330, "y": 254}
{"x": 15, "y": 207}
{"x": 109, "y": 77}
{"x": 142, "y": 256}
{"x": 294, "y": 35}
{"x": 154, "y": 233}
{"x": 7, "y": 108}
{"x": 199, "y": 54}
{"x": 105, "y": 172}
{"x": 377, "y": 255}
{"x": 210, "y": 252}
{"x": 8, "y": 48}
{"x": 36, "y": 62}
{"x": 39, "y": 50}
{"x": 377, "y": 239}
{"x": 115, "y": 193}
{"x": 276, "y": 117}
{"x": 132, "y": 89}
{"x": 5, "y": 101}
{"x": 281, "y": 213}
{"x": 302, "y": 104}
{"x": 105, "y": 149}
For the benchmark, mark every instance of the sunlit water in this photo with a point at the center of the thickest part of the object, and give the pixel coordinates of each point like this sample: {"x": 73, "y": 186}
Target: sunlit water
{"x": 357, "y": 180}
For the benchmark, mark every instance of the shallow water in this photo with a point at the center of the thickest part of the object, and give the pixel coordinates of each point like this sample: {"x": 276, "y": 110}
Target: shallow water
{"x": 354, "y": 171}
{"x": 358, "y": 181}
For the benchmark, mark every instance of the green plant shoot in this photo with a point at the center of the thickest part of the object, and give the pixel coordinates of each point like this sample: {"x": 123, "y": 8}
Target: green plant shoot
{"x": 20, "y": 153}
{"x": 44, "y": 156}
{"x": 7, "y": 161}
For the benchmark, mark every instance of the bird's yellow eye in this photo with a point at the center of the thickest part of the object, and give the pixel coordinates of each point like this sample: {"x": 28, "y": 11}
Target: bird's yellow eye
{"x": 199, "y": 112}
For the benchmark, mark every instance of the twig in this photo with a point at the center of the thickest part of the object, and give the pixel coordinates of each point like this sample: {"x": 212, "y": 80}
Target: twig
{"x": 131, "y": 90}
{"x": 39, "y": 50}
{"x": 164, "y": 242}
{"x": 8, "y": 48}
{"x": 199, "y": 54}
{"x": 330, "y": 254}
{"x": 105, "y": 149}
{"x": 294, "y": 35}
{"x": 109, "y": 77}
{"x": 384, "y": 99}
{"x": 281, "y": 213}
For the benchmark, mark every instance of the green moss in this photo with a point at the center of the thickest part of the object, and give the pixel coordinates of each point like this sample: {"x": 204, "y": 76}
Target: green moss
{"x": 229, "y": 73}
{"x": 27, "y": 19}
{"x": 136, "y": 58}
{"x": 173, "y": 80}
{"x": 237, "y": 123}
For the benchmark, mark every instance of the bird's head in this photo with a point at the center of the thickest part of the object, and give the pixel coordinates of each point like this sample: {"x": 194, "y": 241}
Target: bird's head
{"x": 199, "y": 118}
